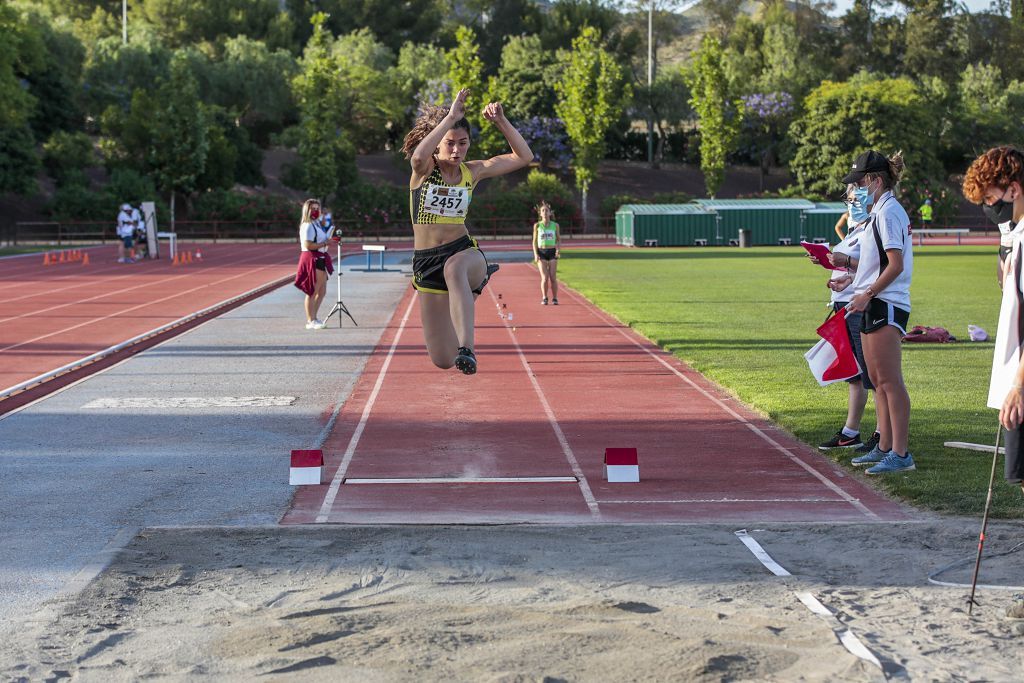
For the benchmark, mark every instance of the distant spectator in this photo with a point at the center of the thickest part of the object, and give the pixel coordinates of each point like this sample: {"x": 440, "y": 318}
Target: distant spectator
{"x": 126, "y": 233}
{"x": 315, "y": 264}
{"x": 926, "y": 214}
{"x": 141, "y": 238}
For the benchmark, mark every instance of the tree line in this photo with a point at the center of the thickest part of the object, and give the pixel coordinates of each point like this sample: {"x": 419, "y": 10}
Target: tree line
{"x": 186, "y": 107}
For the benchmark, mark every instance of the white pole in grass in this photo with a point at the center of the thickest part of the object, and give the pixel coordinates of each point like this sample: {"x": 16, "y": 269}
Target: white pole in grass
{"x": 124, "y": 22}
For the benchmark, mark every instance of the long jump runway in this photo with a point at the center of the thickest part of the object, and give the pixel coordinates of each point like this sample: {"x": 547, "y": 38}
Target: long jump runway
{"x": 523, "y": 440}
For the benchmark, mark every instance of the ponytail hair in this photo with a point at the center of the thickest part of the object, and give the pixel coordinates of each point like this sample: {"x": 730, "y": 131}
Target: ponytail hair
{"x": 891, "y": 177}
{"x": 430, "y": 117}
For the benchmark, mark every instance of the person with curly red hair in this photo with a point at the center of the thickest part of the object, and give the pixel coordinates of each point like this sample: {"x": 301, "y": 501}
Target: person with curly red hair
{"x": 996, "y": 181}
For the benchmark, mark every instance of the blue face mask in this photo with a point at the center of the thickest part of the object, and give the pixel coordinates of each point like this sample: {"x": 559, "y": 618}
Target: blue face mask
{"x": 863, "y": 197}
{"x": 858, "y": 212}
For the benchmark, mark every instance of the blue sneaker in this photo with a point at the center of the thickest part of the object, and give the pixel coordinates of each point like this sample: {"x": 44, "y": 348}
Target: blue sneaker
{"x": 872, "y": 457}
{"x": 894, "y": 463}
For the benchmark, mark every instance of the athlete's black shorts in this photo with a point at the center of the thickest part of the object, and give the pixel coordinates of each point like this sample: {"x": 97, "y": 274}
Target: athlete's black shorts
{"x": 880, "y": 314}
{"x": 320, "y": 262}
{"x": 547, "y": 254}
{"x": 428, "y": 265}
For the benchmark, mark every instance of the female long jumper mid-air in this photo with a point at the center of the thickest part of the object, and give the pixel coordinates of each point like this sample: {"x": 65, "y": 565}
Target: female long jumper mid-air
{"x": 449, "y": 270}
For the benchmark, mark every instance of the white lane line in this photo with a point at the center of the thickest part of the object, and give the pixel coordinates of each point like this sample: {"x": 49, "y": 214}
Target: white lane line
{"x": 835, "y": 488}
{"x": 463, "y": 480}
{"x": 339, "y": 476}
{"x": 191, "y": 402}
{"x": 761, "y": 554}
{"x": 588, "y": 495}
{"x": 971, "y": 446}
{"x": 93, "y": 321}
{"x": 845, "y": 635}
{"x": 686, "y": 501}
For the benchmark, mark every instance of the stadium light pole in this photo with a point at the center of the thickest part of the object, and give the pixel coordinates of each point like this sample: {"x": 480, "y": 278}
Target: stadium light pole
{"x": 124, "y": 22}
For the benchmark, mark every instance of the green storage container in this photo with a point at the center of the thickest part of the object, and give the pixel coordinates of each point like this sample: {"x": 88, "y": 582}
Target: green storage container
{"x": 665, "y": 225}
{"x": 820, "y": 222}
{"x": 769, "y": 220}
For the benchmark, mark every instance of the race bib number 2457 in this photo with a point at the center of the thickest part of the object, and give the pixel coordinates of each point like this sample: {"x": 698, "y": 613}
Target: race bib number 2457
{"x": 446, "y": 201}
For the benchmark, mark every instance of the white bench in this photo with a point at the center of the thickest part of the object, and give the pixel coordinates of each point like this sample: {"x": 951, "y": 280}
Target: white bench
{"x": 959, "y": 232}
{"x": 734, "y": 242}
{"x": 650, "y": 243}
{"x": 820, "y": 240}
{"x": 171, "y": 237}
{"x": 785, "y": 241}
{"x": 700, "y": 242}
{"x": 380, "y": 249}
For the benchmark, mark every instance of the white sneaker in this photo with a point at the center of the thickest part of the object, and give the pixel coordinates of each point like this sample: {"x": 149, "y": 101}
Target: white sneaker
{"x": 309, "y": 324}
{"x": 317, "y": 324}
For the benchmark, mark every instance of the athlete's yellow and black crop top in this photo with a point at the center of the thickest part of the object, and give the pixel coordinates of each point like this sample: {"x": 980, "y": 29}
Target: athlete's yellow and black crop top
{"x": 435, "y": 201}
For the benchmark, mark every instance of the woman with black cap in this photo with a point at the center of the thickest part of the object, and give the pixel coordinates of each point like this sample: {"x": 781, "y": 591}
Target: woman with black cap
{"x": 881, "y": 290}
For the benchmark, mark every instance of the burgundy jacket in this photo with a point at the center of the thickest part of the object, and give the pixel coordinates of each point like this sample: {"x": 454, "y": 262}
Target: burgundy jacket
{"x": 305, "y": 278}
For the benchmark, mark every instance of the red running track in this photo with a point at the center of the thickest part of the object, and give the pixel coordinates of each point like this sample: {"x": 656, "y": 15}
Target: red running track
{"x": 54, "y": 315}
{"x": 549, "y": 397}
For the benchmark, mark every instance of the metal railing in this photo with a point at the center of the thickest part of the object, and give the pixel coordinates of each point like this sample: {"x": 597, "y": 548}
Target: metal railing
{"x": 92, "y": 232}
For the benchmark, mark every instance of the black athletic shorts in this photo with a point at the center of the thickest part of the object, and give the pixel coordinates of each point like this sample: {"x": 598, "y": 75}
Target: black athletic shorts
{"x": 547, "y": 254}
{"x": 320, "y": 261}
{"x": 428, "y": 265}
{"x": 1014, "y": 462}
{"x": 880, "y": 314}
{"x": 853, "y": 325}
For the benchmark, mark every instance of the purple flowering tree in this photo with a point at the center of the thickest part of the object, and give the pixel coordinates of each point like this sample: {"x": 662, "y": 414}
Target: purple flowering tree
{"x": 766, "y": 117}
{"x": 548, "y": 140}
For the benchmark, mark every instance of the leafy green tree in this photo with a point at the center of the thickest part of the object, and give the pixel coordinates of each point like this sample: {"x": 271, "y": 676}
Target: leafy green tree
{"x": 466, "y": 70}
{"x": 930, "y": 52}
{"x": 179, "y": 139}
{"x": 372, "y": 104}
{"x": 718, "y": 115}
{"x": 567, "y": 19}
{"x": 114, "y": 72}
{"x": 328, "y": 161}
{"x": 184, "y": 22}
{"x": 526, "y": 79}
{"x": 841, "y": 120}
{"x": 18, "y": 159}
{"x": 392, "y": 23}
{"x": 592, "y": 94}
{"x": 495, "y": 22}
{"x": 65, "y": 155}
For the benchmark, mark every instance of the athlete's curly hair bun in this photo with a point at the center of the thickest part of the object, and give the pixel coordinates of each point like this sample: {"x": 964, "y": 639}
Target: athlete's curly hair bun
{"x": 430, "y": 117}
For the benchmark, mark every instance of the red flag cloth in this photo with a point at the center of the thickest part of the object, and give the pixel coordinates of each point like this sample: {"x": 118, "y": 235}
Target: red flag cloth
{"x": 305, "y": 276}
{"x": 832, "y": 359}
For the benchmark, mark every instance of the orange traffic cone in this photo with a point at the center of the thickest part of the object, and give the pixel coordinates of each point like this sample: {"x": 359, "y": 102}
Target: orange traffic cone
{"x": 175, "y": 261}
{"x": 188, "y": 257}
{"x": 85, "y": 259}
{"x": 63, "y": 257}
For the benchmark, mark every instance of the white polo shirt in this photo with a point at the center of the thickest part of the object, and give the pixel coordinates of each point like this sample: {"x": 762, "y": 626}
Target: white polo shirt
{"x": 125, "y": 224}
{"x": 851, "y": 247}
{"x": 312, "y": 232}
{"x": 887, "y": 228}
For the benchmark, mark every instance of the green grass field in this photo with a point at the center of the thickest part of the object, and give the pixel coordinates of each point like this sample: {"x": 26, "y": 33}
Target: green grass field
{"x": 745, "y": 319}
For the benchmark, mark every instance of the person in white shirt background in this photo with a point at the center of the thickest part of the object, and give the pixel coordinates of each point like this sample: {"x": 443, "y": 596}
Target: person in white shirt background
{"x": 881, "y": 292}
{"x": 126, "y": 233}
{"x": 996, "y": 181}
{"x": 315, "y": 262}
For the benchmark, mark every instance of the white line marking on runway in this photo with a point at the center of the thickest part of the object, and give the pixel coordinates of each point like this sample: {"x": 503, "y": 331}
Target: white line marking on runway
{"x": 760, "y": 553}
{"x": 845, "y": 635}
{"x": 191, "y": 402}
{"x": 463, "y": 480}
{"x": 835, "y": 488}
{"x": 725, "y": 500}
{"x": 339, "y": 476}
{"x": 588, "y": 495}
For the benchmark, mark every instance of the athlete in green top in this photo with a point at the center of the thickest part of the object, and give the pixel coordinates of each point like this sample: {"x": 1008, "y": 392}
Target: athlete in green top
{"x": 926, "y": 213}
{"x": 545, "y": 252}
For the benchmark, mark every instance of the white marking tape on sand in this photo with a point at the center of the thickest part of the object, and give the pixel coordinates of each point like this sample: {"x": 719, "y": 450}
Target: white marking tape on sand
{"x": 346, "y": 460}
{"x": 464, "y": 480}
{"x": 760, "y": 553}
{"x": 588, "y": 495}
{"x": 191, "y": 402}
{"x": 835, "y": 488}
{"x": 845, "y": 635}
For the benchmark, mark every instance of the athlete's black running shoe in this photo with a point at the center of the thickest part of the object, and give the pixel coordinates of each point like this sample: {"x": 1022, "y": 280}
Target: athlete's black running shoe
{"x": 466, "y": 361}
{"x": 840, "y": 440}
{"x": 869, "y": 445}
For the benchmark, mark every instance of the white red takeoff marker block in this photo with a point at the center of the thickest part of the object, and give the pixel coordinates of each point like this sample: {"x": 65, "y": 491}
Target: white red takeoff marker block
{"x": 307, "y": 468}
{"x": 621, "y": 465}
